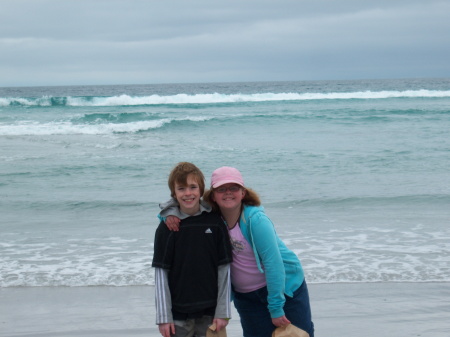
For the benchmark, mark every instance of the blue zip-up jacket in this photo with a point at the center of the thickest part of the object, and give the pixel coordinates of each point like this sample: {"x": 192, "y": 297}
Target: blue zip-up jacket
{"x": 284, "y": 272}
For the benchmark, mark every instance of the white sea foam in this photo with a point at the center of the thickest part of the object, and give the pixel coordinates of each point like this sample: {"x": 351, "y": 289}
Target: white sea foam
{"x": 114, "y": 261}
{"x": 127, "y": 100}
{"x": 42, "y": 101}
{"x": 347, "y": 255}
{"x": 236, "y": 98}
{"x": 373, "y": 255}
{"x": 68, "y": 128}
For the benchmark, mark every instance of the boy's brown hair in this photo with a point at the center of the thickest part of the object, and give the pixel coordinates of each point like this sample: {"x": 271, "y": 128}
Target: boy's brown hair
{"x": 180, "y": 173}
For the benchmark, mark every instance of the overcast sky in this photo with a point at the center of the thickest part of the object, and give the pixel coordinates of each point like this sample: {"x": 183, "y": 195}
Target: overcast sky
{"x": 83, "y": 42}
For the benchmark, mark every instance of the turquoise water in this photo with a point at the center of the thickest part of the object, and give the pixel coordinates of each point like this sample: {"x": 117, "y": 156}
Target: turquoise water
{"x": 353, "y": 173}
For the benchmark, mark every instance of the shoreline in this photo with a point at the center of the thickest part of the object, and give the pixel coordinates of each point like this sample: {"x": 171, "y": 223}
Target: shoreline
{"x": 339, "y": 309}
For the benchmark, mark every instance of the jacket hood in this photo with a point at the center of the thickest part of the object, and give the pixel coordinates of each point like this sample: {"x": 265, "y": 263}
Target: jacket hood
{"x": 249, "y": 211}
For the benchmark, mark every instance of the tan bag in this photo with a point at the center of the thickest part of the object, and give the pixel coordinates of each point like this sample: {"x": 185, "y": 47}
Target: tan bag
{"x": 289, "y": 331}
{"x": 211, "y": 332}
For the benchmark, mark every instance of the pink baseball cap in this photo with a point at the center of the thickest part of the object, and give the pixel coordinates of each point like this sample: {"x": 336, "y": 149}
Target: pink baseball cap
{"x": 226, "y": 175}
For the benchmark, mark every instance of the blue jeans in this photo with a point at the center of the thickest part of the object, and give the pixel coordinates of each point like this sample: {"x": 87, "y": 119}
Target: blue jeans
{"x": 255, "y": 317}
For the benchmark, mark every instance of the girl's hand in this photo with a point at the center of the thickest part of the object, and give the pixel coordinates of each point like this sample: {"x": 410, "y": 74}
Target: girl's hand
{"x": 280, "y": 321}
{"x": 173, "y": 223}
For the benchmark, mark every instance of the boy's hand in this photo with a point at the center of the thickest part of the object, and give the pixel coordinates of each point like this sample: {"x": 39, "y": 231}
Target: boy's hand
{"x": 173, "y": 223}
{"x": 166, "y": 329}
{"x": 220, "y": 323}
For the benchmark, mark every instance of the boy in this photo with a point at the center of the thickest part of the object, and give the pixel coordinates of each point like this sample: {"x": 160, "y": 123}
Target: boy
{"x": 192, "y": 265}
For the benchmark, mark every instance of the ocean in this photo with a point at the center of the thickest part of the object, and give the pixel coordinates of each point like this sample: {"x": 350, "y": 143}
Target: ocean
{"x": 354, "y": 174}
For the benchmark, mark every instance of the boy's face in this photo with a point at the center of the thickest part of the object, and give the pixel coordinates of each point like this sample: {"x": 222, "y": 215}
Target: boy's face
{"x": 188, "y": 196}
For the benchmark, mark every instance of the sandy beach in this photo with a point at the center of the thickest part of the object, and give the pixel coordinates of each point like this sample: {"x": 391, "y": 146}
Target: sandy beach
{"x": 351, "y": 309}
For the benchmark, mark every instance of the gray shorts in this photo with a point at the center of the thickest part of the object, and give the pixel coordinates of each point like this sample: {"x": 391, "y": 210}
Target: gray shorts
{"x": 195, "y": 327}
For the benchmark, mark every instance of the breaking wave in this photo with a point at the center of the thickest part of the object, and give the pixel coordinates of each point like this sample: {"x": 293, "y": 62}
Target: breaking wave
{"x": 214, "y": 98}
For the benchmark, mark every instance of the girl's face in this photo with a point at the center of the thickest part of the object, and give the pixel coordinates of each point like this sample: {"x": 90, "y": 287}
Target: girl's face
{"x": 229, "y": 196}
{"x": 188, "y": 196}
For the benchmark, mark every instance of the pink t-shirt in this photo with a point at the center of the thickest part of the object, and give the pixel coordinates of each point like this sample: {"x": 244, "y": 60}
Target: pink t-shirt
{"x": 245, "y": 275}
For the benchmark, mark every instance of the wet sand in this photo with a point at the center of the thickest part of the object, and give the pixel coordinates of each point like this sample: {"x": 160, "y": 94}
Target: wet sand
{"x": 350, "y": 310}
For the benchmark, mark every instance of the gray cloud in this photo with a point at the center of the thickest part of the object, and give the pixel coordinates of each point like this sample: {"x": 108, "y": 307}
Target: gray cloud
{"x": 51, "y": 42}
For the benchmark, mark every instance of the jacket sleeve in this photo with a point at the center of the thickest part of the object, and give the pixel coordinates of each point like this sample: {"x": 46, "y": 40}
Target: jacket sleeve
{"x": 266, "y": 243}
{"x": 163, "y": 300}
{"x": 223, "y": 308}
